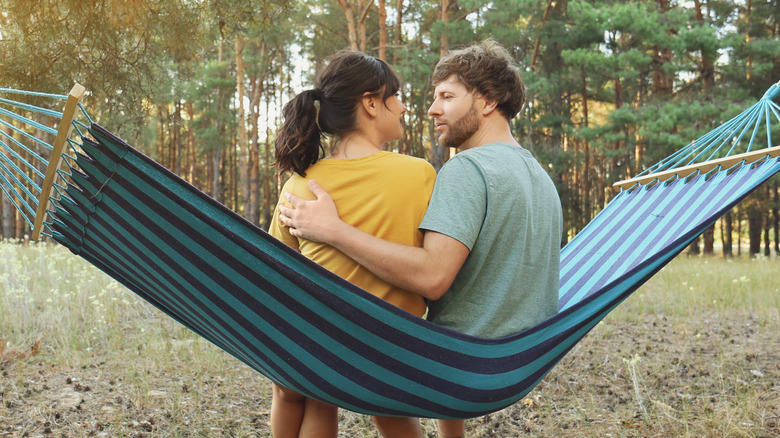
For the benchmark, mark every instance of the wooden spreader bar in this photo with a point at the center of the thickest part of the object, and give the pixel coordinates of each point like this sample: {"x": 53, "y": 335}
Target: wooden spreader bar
{"x": 682, "y": 172}
{"x": 63, "y": 132}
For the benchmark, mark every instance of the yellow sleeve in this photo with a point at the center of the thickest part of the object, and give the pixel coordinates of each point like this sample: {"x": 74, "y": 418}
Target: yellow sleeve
{"x": 430, "y": 180}
{"x": 278, "y": 229}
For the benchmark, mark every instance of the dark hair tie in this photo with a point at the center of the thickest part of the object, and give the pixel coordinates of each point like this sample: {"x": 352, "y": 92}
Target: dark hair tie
{"x": 316, "y": 94}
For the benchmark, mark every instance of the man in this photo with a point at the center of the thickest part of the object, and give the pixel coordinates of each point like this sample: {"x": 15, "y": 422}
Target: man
{"x": 489, "y": 264}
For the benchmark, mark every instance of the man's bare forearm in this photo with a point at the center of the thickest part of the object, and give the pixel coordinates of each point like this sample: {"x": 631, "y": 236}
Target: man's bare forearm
{"x": 408, "y": 267}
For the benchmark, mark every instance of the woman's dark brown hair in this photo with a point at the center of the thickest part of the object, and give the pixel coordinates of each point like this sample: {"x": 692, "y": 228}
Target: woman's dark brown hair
{"x": 346, "y": 79}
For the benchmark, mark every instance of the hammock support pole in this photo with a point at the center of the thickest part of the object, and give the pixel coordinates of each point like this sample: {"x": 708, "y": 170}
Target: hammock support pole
{"x": 63, "y": 132}
{"x": 682, "y": 172}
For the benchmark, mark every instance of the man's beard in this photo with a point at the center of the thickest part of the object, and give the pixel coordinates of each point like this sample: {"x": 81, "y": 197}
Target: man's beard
{"x": 461, "y": 130}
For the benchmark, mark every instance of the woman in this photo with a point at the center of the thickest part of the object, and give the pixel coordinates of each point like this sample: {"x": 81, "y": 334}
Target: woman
{"x": 355, "y": 102}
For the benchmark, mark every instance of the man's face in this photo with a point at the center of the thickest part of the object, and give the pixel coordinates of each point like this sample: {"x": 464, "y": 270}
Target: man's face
{"x": 455, "y": 114}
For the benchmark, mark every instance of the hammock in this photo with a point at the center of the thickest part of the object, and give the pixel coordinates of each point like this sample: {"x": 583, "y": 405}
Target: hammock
{"x": 309, "y": 330}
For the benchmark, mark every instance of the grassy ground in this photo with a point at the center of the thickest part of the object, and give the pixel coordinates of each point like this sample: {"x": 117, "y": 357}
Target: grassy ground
{"x": 695, "y": 352}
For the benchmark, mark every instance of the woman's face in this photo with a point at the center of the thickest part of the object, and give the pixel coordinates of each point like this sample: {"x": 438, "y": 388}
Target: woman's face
{"x": 390, "y": 116}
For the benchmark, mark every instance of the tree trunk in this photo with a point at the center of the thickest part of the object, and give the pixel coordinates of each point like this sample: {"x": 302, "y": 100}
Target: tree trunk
{"x": 441, "y": 153}
{"x": 739, "y": 234}
{"x": 749, "y": 60}
{"x": 398, "y": 35}
{"x": 586, "y": 201}
{"x": 767, "y": 222}
{"x": 553, "y": 60}
{"x": 707, "y": 63}
{"x": 663, "y": 82}
{"x": 767, "y": 237}
{"x": 362, "y": 37}
{"x": 161, "y": 145}
{"x": 726, "y": 233}
{"x": 693, "y": 248}
{"x": 254, "y": 157}
{"x": 212, "y": 161}
{"x": 19, "y": 224}
{"x": 755, "y": 222}
{"x": 775, "y": 217}
{"x": 9, "y": 215}
{"x": 709, "y": 241}
{"x": 382, "y": 30}
{"x": 349, "y": 14}
{"x": 190, "y": 109}
{"x": 444, "y": 39}
{"x": 242, "y": 147}
{"x": 269, "y": 172}
{"x": 176, "y": 138}
{"x": 538, "y": 41}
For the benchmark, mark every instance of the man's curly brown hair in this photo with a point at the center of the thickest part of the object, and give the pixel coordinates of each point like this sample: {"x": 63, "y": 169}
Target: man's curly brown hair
{"x": 488, "y": 69}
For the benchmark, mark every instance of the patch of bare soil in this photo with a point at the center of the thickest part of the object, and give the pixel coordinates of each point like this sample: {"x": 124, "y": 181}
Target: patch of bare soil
{"x": 712, "y": 377}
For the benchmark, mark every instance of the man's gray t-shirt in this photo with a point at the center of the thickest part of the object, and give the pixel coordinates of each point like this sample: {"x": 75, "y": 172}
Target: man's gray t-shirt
{"x": 498, "y": 201}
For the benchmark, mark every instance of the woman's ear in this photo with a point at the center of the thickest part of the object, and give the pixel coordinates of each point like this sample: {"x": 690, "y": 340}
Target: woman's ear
{"x": 369, "y": 103}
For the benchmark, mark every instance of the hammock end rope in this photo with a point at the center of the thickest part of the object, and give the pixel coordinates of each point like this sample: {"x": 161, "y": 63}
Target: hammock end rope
{"x": 63, "y": 132}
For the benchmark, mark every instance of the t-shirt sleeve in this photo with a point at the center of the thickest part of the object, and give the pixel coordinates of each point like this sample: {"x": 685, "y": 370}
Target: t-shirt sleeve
{"x": 429, "y": 180}
{"x": 459, "y": 201}
{"x": 278, "y": 229}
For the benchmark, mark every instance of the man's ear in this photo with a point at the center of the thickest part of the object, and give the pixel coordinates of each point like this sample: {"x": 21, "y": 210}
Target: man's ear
{"x": 489, "y": 106}
{"x": 369, "y": 102}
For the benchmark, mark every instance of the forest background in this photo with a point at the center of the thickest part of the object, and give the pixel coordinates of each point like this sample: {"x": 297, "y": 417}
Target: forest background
{"x": 614, "y": 86}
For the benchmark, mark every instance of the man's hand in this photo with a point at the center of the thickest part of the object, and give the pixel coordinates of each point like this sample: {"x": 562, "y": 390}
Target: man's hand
{"x": 315, "y": 220}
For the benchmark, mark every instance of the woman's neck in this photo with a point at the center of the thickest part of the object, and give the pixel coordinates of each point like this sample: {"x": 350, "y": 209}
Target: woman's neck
{"x": 354, "y": 146}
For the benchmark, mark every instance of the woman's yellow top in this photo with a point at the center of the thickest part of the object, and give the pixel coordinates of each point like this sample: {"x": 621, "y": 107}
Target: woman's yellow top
{"x": 384, "y": 194}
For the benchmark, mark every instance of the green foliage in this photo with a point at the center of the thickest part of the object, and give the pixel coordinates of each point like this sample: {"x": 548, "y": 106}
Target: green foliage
{"x": 212, "y": 92}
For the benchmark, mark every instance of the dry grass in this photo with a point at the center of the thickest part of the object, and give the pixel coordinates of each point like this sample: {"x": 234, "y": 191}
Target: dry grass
{"x": 693, "y": 353}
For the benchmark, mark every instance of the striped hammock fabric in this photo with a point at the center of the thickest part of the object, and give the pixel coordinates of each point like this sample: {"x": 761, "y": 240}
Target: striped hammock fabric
{"x": 309, "y": 330}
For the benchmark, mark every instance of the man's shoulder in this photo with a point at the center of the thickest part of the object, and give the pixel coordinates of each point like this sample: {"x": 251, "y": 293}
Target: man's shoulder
{"x": 492, "y": 151}
{"x": 486, "y": 157}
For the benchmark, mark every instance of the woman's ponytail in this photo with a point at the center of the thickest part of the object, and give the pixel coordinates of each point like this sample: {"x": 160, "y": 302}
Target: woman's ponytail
{"x": 299, "y": 140}
{"x": 346, "y": 80}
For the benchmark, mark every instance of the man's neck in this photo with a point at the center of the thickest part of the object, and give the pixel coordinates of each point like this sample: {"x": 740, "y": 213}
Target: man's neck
{"x": 493, "y": 130}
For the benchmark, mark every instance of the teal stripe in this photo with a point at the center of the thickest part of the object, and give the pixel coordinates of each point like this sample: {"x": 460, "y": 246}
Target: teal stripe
{"x": 726, "y": 194}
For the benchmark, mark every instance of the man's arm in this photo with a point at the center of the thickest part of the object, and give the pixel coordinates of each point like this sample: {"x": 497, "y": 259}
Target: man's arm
{"x": 428, "y": 270}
